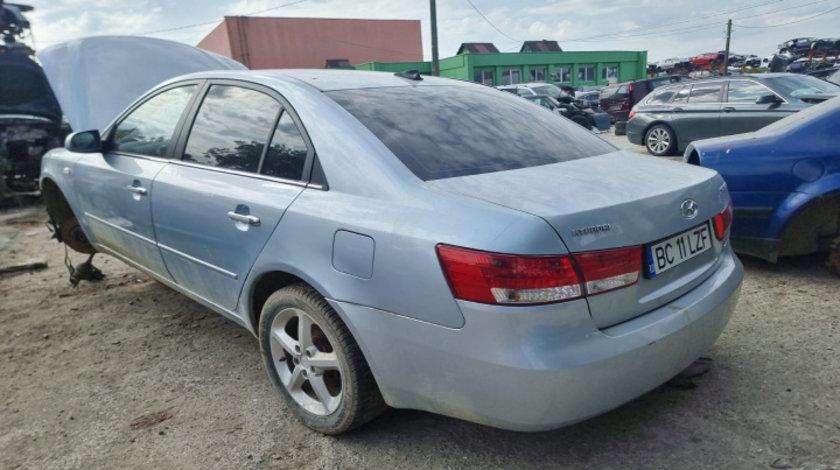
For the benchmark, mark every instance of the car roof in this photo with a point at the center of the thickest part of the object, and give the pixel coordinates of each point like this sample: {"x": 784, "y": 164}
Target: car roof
{"x": 326, "y": 79}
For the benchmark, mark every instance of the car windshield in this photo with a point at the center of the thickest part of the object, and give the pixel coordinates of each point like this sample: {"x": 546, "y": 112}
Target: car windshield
{"x": 550, "y": 90}
{"x": 447, "y": 131}
{"x": 801, "y": 85}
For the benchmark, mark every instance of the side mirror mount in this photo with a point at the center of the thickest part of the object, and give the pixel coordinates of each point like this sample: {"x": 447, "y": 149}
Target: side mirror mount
{"x": 769, "y": 98}
{"x": 84, "y": 142}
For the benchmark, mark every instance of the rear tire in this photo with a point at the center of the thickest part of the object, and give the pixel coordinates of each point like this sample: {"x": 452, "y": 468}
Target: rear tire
{"x": 660, "y": 140}
{"x": 311, "y": 357}
{"x": 620, "y": 127}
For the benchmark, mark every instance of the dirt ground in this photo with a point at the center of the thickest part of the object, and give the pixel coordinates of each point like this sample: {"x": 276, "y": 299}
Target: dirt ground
{"x": 125, "y": 373}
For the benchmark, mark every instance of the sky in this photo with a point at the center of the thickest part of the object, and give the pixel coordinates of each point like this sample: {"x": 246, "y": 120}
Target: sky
{"x": 675, "y": 28}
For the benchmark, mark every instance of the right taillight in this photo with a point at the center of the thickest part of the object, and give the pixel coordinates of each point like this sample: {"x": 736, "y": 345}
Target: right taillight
{"x": 722, "y": 221}
{"x": 632, "y": 113}
{"x": 506, "y": 279}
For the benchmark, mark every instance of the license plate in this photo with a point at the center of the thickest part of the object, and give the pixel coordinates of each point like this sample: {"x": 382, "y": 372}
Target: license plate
{"x": 672, "y": 251}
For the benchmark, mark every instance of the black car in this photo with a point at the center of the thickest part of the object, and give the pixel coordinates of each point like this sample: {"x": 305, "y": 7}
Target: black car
{"x": 618, "y": 99}
{"x": 30, "y": 121}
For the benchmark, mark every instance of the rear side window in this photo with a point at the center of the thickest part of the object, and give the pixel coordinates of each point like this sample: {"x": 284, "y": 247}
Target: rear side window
{"x": 705, "y": 93}
{"x": 287, "y": 153}
{"x": 623, "y": 91}
{"x": 149, "y": 128}
{"x": 608, "y": 92}
{"x": 447, "y": 131}
{"x": 662, "y": 96}
{"x": 746, "y": 91}
{"x": 231, "y": 128}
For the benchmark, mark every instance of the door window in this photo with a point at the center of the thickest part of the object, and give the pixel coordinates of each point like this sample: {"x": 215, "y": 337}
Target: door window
{"x": 746, "y": 91}
{"x": 231, "y": 128}
{"x": 287, "y": 153}
{"x": 148, "y": 129}
{"x": 705, "y": 93}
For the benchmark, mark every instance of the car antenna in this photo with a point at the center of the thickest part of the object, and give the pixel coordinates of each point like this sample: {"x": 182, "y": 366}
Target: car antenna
{"x": 409, "y": 74}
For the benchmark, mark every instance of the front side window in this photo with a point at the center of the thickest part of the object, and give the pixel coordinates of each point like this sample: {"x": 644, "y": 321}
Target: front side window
{"x": 511, "y": 77}
{"x": 563, "y": 74}
{"x": 661, "y": 97}
{"x": 148, "y": 129}
{"x": 705, "y": 93}
{"x": 231, "y": 128}
{"x": 484, "y": 76}
{"x": 447, "y": 131}
{"x": 287, "y": 153}
{"x": 586, "y": 73}
{"x": 746, "y": 91}
{"x": 538, "y": 74}
{"x": 682, "y": 95}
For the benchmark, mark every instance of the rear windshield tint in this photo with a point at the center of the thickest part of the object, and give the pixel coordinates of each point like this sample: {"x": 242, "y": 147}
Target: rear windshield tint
{"x": 447, "y": 131}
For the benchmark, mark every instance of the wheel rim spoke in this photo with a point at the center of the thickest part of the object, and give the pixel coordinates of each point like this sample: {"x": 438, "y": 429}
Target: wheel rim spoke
{"x": 320, "y": 389}
{"x": 304, "y": 331}
{"x": 296, "y": 380}
{"x": 282, "y": 339}
{"x": 324, "y": 361}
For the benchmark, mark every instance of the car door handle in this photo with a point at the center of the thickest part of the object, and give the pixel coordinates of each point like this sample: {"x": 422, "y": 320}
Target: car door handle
{"x": 245, "y": 219}
{"x": 678, "y": 110}
{"x": 137, "y": 190}
{"x": 728, "y": 109}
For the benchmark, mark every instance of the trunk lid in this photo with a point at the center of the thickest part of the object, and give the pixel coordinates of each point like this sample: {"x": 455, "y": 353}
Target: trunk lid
{"x": 611, "y": 201}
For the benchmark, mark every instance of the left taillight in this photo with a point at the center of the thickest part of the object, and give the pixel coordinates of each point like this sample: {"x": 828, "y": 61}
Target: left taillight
{"x": 632, "y": 113}
{"x": 723, "y": 221}
{"x": 507, "y": 279}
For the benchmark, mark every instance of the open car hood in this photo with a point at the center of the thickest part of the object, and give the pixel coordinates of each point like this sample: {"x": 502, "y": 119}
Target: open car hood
{"x": 96, "y": 78}
{"x": 24, "y": 89}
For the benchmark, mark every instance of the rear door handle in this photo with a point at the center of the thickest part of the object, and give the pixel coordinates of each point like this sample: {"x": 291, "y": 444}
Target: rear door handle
{"x": 137, "y": 190}
{"x": 245, "y": 219}
{"x": 678, "y": 110}
{"x": 728, "y": 109}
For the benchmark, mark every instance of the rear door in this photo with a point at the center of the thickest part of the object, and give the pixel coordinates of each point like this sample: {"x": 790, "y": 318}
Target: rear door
{"x": 742, "y": 114}
{"x": 697, "y": 111}
{"x": 115, "y": 188}
{"x": 242, "y": 164}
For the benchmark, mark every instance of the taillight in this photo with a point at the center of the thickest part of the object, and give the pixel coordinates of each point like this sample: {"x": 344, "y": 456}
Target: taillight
{"x": 632, "y": 113}
{"x": 630, "y": 87}
{"x": 497, "y": 278}
{"x": 722, "y": 221}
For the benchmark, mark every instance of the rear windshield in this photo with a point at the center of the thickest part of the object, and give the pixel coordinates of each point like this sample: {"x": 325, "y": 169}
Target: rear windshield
{"x": 447, "y": 131}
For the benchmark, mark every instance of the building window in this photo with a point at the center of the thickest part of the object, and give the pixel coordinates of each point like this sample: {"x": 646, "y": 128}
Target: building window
{"x": 610, "y": 73}
{"x": 538, "y": 74}
{"x": 483, "y": 76}
{"x": 511, "y": 77}
{"x": 563, "y": 74}
{"x": 586, "y": 73}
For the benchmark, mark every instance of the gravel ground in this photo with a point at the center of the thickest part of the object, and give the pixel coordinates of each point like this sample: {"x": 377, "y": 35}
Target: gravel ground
{"x": 125, "y": 373}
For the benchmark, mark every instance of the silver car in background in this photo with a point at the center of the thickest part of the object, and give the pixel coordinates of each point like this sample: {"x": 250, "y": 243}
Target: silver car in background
{"x": 409, "y": 241}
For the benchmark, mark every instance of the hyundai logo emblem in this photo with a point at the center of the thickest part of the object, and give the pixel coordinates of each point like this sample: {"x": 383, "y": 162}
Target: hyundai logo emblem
{"x": 688, "y": 209}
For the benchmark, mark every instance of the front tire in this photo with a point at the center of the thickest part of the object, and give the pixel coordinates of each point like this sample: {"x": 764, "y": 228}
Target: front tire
{"x": 660, "y": 140}
{"x": 311, "y": 357}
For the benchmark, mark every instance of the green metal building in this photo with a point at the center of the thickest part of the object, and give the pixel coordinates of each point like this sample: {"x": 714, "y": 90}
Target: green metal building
{"x": 577, "y": 69}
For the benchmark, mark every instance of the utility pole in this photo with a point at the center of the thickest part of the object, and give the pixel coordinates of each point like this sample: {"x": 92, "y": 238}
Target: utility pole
{"x": 726, "y": 53}
{"x": 435, "y": 61}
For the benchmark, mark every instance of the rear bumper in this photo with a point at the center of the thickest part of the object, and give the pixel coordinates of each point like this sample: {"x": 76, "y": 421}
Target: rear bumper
{"x": 635, "y": 132}
{"x": 539, "y": 368}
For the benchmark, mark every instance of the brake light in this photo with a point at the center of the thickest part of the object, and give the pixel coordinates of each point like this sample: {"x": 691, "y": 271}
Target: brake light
{"x": 497, "y": 278}
{"x": 632, "y": 113}
{"x": 630, "y": 87}
{"x": 723, "y": 221}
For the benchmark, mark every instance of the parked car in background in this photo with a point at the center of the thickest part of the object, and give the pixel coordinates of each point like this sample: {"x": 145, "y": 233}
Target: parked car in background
{"x": 567, "y": 107}
{"x": 797, "y": 45}
{"x": 708, "y": 60}
{"x": 534, "y": 88}
{"x": 591, "y": 98}
{"x": 674, "y": 116}
{"x": 784, "y": 181}
{"x": 30, "y": 121}
{"x": 618, "y": 99}
{"x": 394, "y": 239}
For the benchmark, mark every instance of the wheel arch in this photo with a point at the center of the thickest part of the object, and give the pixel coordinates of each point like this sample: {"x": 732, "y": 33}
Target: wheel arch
{"x": 806, "y": 224}
{"x": 57, "y": 205}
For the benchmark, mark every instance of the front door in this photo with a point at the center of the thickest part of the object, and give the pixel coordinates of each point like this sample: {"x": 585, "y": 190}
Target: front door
{"x": 216, "y": 208}
{"x": 115, "y": 188}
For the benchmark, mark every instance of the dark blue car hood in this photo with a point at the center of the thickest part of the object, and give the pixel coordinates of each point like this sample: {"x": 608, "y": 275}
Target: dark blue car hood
{"x": 24, "y": 89}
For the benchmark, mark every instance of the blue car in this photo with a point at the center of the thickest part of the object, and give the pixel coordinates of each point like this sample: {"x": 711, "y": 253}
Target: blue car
{"x": 392, "y": 239}
{"x": 784, "y": 181}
